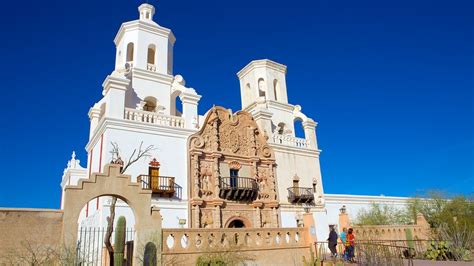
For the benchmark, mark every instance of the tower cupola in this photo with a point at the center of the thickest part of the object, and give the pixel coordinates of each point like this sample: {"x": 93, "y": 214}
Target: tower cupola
{"x": 146, "y": 11}
{"x": 145, "y": 45}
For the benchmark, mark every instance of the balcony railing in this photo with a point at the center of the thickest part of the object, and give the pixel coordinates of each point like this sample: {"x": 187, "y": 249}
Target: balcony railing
{"x": 300, "y": 195}
{"x": 290, "y": 141}
{"x": 163, "y": 186}
{"x": 151, "y": 67}
{"x": 153, "y": 118}
{"x": 238, "y": 188}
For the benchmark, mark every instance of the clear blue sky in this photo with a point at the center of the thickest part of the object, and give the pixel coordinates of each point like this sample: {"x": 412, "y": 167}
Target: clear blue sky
{"x": 390, "y": 83}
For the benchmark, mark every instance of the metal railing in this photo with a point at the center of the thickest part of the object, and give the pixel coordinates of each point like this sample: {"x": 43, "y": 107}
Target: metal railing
{"x": 238, "y": 188}
{"x": 300, "y": 195}
{"x": 91, "y": 250}
{"x": 162, "y": 185}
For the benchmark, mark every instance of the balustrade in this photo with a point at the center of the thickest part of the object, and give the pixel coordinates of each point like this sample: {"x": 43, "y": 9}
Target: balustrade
{"x": 151, "y": 67}
{"x": 291, "y": 141}
{"x": 194, "y": 240}
{"x": 153, "y": 118}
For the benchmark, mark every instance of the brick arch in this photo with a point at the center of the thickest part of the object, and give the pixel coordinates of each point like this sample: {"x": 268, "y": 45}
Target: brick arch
{"x": 111, "y": 183}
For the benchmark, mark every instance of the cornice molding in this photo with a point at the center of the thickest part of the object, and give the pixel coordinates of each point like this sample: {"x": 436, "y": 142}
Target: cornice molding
{"x": 363, "y": 199}
{"x": 262, "y": 63}
{"x": 151, "y": 76}
{"x": 295, "y": 150}
{"x": 151, "y": 27}
{"x": 280, "y": 106}
{"x": 115, "y": 83}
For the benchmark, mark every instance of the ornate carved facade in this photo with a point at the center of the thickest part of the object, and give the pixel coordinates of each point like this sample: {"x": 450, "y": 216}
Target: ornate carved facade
{"x": 232, "y": 173}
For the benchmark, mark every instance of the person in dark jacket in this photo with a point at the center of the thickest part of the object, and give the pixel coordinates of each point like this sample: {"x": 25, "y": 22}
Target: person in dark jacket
{"x": 332, "y": 241}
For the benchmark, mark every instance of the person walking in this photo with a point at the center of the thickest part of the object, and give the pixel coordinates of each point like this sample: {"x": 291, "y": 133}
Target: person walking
{"x": 343, "y": 236}
{"x": 350, "y": 244}
{"x": 332, "y": 241}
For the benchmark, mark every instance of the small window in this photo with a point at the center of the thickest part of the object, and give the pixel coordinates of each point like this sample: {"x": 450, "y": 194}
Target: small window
{"x": 151, "y": 54}
{"x": 150, "y": 104}
{"x": 276, "y": 89}
{"x": 261, "y": 87}
{"x": 296, "y": 183}
{"x": 234, "y": 174}
{"x": 130, "y": 52}
{"x": 314, "y": 187}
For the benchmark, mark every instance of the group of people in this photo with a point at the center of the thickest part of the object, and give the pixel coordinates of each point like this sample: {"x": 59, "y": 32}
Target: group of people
{"x": 348, "y": 242}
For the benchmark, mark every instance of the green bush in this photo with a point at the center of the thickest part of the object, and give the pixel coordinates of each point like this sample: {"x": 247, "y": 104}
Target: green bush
{"x": 211, "y": 260}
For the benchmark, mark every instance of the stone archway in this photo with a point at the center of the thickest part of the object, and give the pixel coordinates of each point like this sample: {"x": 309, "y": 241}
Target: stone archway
{"x": 112, "y": 183}
{"x": 238, "y": 222}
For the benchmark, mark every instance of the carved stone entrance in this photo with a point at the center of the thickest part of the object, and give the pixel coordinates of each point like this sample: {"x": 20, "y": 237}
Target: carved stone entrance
{"x": 232, "y": 173}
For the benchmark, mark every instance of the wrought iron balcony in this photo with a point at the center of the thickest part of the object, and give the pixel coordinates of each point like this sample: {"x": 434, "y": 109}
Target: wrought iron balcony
{"x": 238, "y": 188}
{"x": 300, "y": 195}
{"x": 163, "y": 186}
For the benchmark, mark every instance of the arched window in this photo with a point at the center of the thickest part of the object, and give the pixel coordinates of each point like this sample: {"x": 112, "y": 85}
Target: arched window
{"x": 151, "y": 54}
{"x": 281, "y": 128}
{"x": 276, "y": 89}
{"x": 130, "y": 52}
{"x": 176, "y": 105}
{"x": 150, "y": 104}
{"x": 261, "y": 87}
{"x": 299, "y": 129}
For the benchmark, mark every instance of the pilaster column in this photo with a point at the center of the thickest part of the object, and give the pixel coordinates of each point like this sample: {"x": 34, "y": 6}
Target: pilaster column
{"x": 94, "y": 116}
{"x": 115, "y": 86}
{"x": 257, "y": 219}
{"x": 309, "y": 127}
{"x": 196, "y": 174}
{"x": 197, "y": 219}
{"x": 217, "y": 217}
{"x": 190, "y": 109}
{"x": 263, "y": 118}
{"x": 216, "y": 174}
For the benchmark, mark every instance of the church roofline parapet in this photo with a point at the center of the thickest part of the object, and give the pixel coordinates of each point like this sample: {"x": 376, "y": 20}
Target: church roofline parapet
{"x": 146, "y": 26}
{"x": 94, "y": 111}
{"x": 295, "y": 150}
{"x": 261, "y": 114}
{"x": 259, "y": 64}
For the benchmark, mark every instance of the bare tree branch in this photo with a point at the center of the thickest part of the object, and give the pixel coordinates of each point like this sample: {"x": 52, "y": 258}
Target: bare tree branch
{"x": 142, "y": 153}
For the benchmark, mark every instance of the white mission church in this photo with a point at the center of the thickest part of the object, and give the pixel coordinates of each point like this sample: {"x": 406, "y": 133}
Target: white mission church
{"x": 213, "y": 170}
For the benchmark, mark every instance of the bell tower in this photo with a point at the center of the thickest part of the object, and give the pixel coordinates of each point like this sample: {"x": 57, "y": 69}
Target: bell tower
{"x": 262, "y": 80}
{"x": 144, "y": 44}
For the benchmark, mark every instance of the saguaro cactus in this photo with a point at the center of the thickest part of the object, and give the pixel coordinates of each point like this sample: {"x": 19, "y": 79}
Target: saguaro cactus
{"x": 119, "y": 244}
